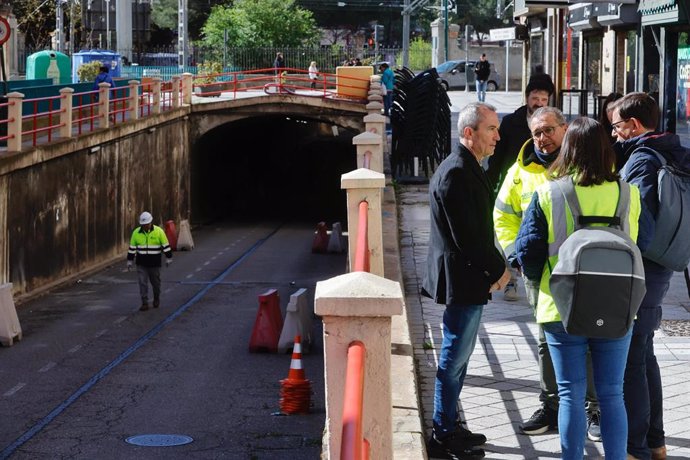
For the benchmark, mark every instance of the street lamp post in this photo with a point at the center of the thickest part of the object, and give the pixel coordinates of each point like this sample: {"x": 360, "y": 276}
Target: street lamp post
{"x": 107, "y": 24}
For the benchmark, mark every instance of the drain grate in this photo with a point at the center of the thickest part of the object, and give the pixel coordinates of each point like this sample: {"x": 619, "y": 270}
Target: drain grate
{"x": 159, "y": 440}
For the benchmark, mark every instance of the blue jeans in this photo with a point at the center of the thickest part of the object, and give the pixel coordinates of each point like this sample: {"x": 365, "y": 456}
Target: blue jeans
{"x": 481, "y": 90}
{"x": 388, "y": 102}
{"x": 460, "y": 326}
{"x": 569, "y": 353}
{"x": 643, "y": 388}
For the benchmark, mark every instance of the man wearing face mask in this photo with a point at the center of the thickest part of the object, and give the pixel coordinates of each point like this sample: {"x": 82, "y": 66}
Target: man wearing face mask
{"x": 548, "y": 126}
{"x": 515, "y": 131}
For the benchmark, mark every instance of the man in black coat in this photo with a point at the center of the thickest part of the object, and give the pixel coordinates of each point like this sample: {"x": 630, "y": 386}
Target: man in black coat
{"x": 515, "y": 131}
{"x": 463, "y": 267}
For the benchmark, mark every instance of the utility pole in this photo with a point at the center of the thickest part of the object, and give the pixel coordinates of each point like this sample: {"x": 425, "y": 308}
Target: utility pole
{"x": 181, "y": 34}
{"x": 58, "y": 26}
{"x": 445, "y": 29}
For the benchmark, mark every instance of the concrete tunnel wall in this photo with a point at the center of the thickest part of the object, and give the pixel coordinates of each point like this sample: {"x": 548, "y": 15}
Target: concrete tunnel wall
{"x": 68, "y": 207}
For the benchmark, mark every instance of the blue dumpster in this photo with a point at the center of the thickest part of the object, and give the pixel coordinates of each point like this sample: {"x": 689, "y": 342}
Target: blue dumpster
{"x": 110, "y": 59}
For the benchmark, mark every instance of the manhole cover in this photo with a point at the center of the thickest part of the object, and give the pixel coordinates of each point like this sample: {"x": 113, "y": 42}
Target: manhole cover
{"x": 159, "y": 440}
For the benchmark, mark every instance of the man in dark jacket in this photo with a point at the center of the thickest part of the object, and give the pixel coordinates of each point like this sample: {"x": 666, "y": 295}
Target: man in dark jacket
{"x": 515, "y": 132}
{"x": 463, "y": 267}
{"x": 634, "y": 119}
{"x": 482, "y": 71}
{"x": 514, "y": 128}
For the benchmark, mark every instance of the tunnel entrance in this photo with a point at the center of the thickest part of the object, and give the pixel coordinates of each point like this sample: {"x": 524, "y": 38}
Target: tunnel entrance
{"x": 272, "y": 167}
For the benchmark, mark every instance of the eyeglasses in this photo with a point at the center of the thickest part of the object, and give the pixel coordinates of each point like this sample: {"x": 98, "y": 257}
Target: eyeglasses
{"x": 614, "y": 126}
{"x": 548, "y": 132}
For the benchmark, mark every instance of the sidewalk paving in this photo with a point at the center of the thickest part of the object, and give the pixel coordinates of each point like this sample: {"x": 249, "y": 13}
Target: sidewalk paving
{"x": 502, "y": 385}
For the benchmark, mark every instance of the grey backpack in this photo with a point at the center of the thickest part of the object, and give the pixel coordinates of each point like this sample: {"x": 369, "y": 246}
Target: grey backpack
{"x": 670, "y": 246}
{"x": 598, "y": 282}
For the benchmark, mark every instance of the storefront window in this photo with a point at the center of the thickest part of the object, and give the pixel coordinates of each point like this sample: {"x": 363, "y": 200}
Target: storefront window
{"x": 630, "y": 60}
{"x": 593, "y": 63}
{"x": 536, "y": 53}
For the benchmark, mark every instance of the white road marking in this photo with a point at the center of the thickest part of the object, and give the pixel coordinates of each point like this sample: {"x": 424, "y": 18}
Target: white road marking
{"x": 47, "y": 367}
{"x": 16, "y": 388}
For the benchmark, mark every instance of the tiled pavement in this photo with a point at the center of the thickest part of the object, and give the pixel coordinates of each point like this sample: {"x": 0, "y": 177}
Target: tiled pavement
{"x": 502, "y": 386}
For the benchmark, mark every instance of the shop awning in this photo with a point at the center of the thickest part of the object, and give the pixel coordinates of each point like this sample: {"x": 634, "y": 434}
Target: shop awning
{"x": 648, "y": 7}
{"x": 660, "y": 12}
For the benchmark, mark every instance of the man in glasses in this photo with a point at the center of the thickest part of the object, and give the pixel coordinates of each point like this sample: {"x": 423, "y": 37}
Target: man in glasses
{"x": 514, "y": 131}
{"x": 634, "y": 119}
{"x": 547, "y": 127}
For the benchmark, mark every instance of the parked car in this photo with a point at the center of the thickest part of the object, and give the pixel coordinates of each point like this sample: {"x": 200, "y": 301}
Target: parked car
{"x": 454, "y": 75}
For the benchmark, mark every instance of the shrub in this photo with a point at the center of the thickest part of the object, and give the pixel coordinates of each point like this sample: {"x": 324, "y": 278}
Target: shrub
{"x": 208, "y": 72}
{"x": 88, "y": 71}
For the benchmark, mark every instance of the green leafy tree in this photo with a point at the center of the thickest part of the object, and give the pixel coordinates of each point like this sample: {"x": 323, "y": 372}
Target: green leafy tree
{"x": 36, "y": 20}
{"x": 252, "y": 23}
{"x": 164, "y": 15}
{"x": 480, "y": 14}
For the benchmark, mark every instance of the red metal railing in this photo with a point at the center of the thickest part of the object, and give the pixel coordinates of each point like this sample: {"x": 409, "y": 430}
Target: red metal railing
{"x": 362, "y": 248}
{"x": 42, "y": 122}
{"x": 353, "y": 446}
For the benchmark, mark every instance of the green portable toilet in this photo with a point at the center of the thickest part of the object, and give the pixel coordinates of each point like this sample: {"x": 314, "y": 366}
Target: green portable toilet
{"x": 49, "y": 64}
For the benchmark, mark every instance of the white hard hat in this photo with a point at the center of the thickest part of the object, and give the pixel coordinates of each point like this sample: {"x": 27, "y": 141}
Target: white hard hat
{"x": 145, "y": 218}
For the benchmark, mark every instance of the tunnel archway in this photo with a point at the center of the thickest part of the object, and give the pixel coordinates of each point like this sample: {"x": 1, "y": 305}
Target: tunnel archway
{"x": 277, "y": 167}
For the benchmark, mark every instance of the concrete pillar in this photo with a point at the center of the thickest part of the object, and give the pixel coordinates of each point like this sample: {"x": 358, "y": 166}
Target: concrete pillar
{"x": 376, "y": 123}
{"x": 156, "y": 90}
{"x": 176, "y": 91}
{"x": 14, "y": 124}
{"x": 375, "y": 107}
{"x": 369, "y": 144}
{"x": 104, "y": 104}
{"x": 133, "y": 99}
{"x": 9, "y": 322}
{"x": 187, "y": 88}
{"x": 359, "y": 306}
{"x": 66, "y": 112}
{"x": 365, "y": 185}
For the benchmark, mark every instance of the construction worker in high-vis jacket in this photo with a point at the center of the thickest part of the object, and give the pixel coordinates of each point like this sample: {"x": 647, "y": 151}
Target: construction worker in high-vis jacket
{"x": 147, "y": 244}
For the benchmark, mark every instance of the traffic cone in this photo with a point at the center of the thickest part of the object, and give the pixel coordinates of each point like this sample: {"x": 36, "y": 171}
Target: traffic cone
{"x": 320, "y": 244}
{"x": 268, "y": 324}
{"x": 295, "y": 390}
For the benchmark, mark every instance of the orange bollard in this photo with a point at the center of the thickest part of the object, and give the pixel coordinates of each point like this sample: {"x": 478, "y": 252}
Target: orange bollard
{"x": 171, "y": 233}
{"x": 296, "y": 389}
{"x": 268, "y": 324}
{"x": 320, "y": 244}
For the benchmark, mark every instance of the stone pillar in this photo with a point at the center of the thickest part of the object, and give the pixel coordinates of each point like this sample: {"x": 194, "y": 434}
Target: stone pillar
{"x": 376, "y": 123}
{"x": 66, "y": 112}
{"x": 176, "y": 91}
{"x": 104, "y": 104}
{"x": 359, "y": 306}
{"x": 365, "y": 185}
{"x": 133, "y": 99}
{"x": 156, "y": 90}
{"x": 187, "y": 88}
{"x": 14, "y": 124}
{"x": 9, "y": 322}
{"x": 369, "y": 144}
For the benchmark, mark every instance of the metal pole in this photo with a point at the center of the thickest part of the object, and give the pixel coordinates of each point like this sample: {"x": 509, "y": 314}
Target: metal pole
{"x": 181, "y": 34}
{"x": 406, "y": 34}
{"x": 467, "y": 56}
{"x": 58, "y": 26}
{"x": 71, "y": 27}
{"x": 107, "y": 24}
{"x": 445, "y": 28}
{"x": 508, "y": 42}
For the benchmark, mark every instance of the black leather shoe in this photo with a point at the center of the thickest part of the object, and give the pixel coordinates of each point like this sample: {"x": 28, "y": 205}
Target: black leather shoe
{"x": 144, "y": 307}
{"x": 453, "y": 447}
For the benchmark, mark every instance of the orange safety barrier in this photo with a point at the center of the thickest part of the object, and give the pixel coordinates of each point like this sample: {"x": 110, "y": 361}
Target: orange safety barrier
{"x": 362, "y": 248}
{"x": 268, "y": 324}
{"x": 353, "y": 446}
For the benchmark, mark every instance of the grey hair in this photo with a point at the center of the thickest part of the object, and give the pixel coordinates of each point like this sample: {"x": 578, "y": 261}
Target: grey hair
{"x": 470, "y": 115}
{"x": 541, "y": 111}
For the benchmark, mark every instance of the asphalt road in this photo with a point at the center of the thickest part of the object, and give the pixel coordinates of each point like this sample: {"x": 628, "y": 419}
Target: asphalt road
{"x": 92, "y": 371}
